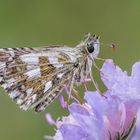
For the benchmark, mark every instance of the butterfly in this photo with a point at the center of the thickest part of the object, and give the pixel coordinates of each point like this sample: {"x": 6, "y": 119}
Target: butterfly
{"x": 34, "y": 77}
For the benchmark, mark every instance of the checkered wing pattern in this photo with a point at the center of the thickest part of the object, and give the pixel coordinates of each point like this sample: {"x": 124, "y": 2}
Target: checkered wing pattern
{"x": 33, "y": 78}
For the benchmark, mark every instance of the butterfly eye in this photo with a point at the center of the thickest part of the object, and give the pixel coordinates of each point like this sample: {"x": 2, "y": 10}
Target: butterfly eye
{"x": 90, "y": 48}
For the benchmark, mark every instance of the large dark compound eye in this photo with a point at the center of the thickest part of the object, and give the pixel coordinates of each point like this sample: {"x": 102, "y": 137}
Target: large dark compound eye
{"x": 90, "y": 47}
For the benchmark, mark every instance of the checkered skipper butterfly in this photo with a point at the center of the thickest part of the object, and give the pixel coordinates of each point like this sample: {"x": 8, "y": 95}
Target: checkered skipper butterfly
{"x": 34, "y": 77}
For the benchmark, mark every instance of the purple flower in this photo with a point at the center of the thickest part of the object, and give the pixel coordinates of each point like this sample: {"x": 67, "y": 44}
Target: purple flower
{"x": 105, "y": 117}
{"x": 101, "y": 118}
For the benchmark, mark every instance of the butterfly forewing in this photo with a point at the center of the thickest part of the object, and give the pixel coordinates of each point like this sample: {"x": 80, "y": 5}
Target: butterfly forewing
{"x": 34, "y": 77}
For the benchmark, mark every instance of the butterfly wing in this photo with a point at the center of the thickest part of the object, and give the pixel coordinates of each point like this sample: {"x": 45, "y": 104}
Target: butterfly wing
{"x": 34, "y": 77}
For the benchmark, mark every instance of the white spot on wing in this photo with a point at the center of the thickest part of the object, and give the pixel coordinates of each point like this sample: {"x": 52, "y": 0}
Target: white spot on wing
{"x": 30, "y": 58}
{"x": 48, "y": 85}
{"x": 58, "y": 65}
{"x": 10, "y": 81}
{"x": 60, "y": 75}
{"x": 29, "y": 91}
{"x": 14, "y": 94}
{"x": 19, "y": 101}
{"x": 2, "y": 65}
{"x": 1, "y": 78}
{"x": 31, "y": 67}
{"x": 33, "y": 73}
{"x": 33, "y": 97}
{"x": 4, "y": 86}
{"x": 28, "y": 102}
{"x": 24, "y": 107}
{"x": 54, "y": 60}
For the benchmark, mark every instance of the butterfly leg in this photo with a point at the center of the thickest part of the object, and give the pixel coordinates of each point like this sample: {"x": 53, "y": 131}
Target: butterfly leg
{"x": 94, "y": 64}
{"x": 70, "y": 94}
{"x": 71, "y": 84}
{"x": 85, "y": 86}
{"x": 94, "y": 82}
{"x": 84, "y": 82}
{"x": 98, "y": 67}
{"x": 75, "y": 94}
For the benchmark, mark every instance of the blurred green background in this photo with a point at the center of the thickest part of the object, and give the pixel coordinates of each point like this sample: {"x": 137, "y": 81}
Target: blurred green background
{"x": 34, "y": 23}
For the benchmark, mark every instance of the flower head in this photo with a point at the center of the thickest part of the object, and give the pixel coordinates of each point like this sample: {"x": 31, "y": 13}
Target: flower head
{"x": 100, "y": 118}
{"x": 104, "y": 117}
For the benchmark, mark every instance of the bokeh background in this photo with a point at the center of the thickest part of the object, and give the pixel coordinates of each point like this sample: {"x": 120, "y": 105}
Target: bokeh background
{"x": 34, "y": 23}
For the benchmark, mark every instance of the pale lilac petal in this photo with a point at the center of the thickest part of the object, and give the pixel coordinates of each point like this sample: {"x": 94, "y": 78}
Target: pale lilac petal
{"x": 119, "y": 83}
{"x": 57, "y": 136}
{"x": 50, "y": 119}
{"x": 67, "y": 91}
{"x": 136, "y": 71}
{"x": 107, "y": 127}
{"x": 136, "y": 75}
{"x": 122, "y": 114}
{"x": 62, "y": 102}
{"x": 85, "y": 119}
{"x": 131, "y": 112}
{"x": 77, "y": 134}
{"x": 78, "y": 109}
{"x": 97, "y": 102}
{"x": 112, "y": 74}
{"x": 117, "y": 121}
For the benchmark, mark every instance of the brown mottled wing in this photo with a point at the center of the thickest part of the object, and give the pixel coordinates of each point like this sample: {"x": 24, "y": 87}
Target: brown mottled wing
{"x": 35, "y": 77}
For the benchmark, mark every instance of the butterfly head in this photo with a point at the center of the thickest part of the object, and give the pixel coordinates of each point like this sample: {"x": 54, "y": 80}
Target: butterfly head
{"x": 92, "y": 44}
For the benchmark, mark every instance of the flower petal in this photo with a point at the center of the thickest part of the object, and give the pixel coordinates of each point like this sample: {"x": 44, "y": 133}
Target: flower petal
{"x": 97, "y": 102}
{"x": 112, "y": 74}
{"x": 73, "y": 132}
{"x": 50, "y": 119}
{"x": 136, "y": 75}
{"x": 62, "y": 102}
{"x": 86, "y": 120}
